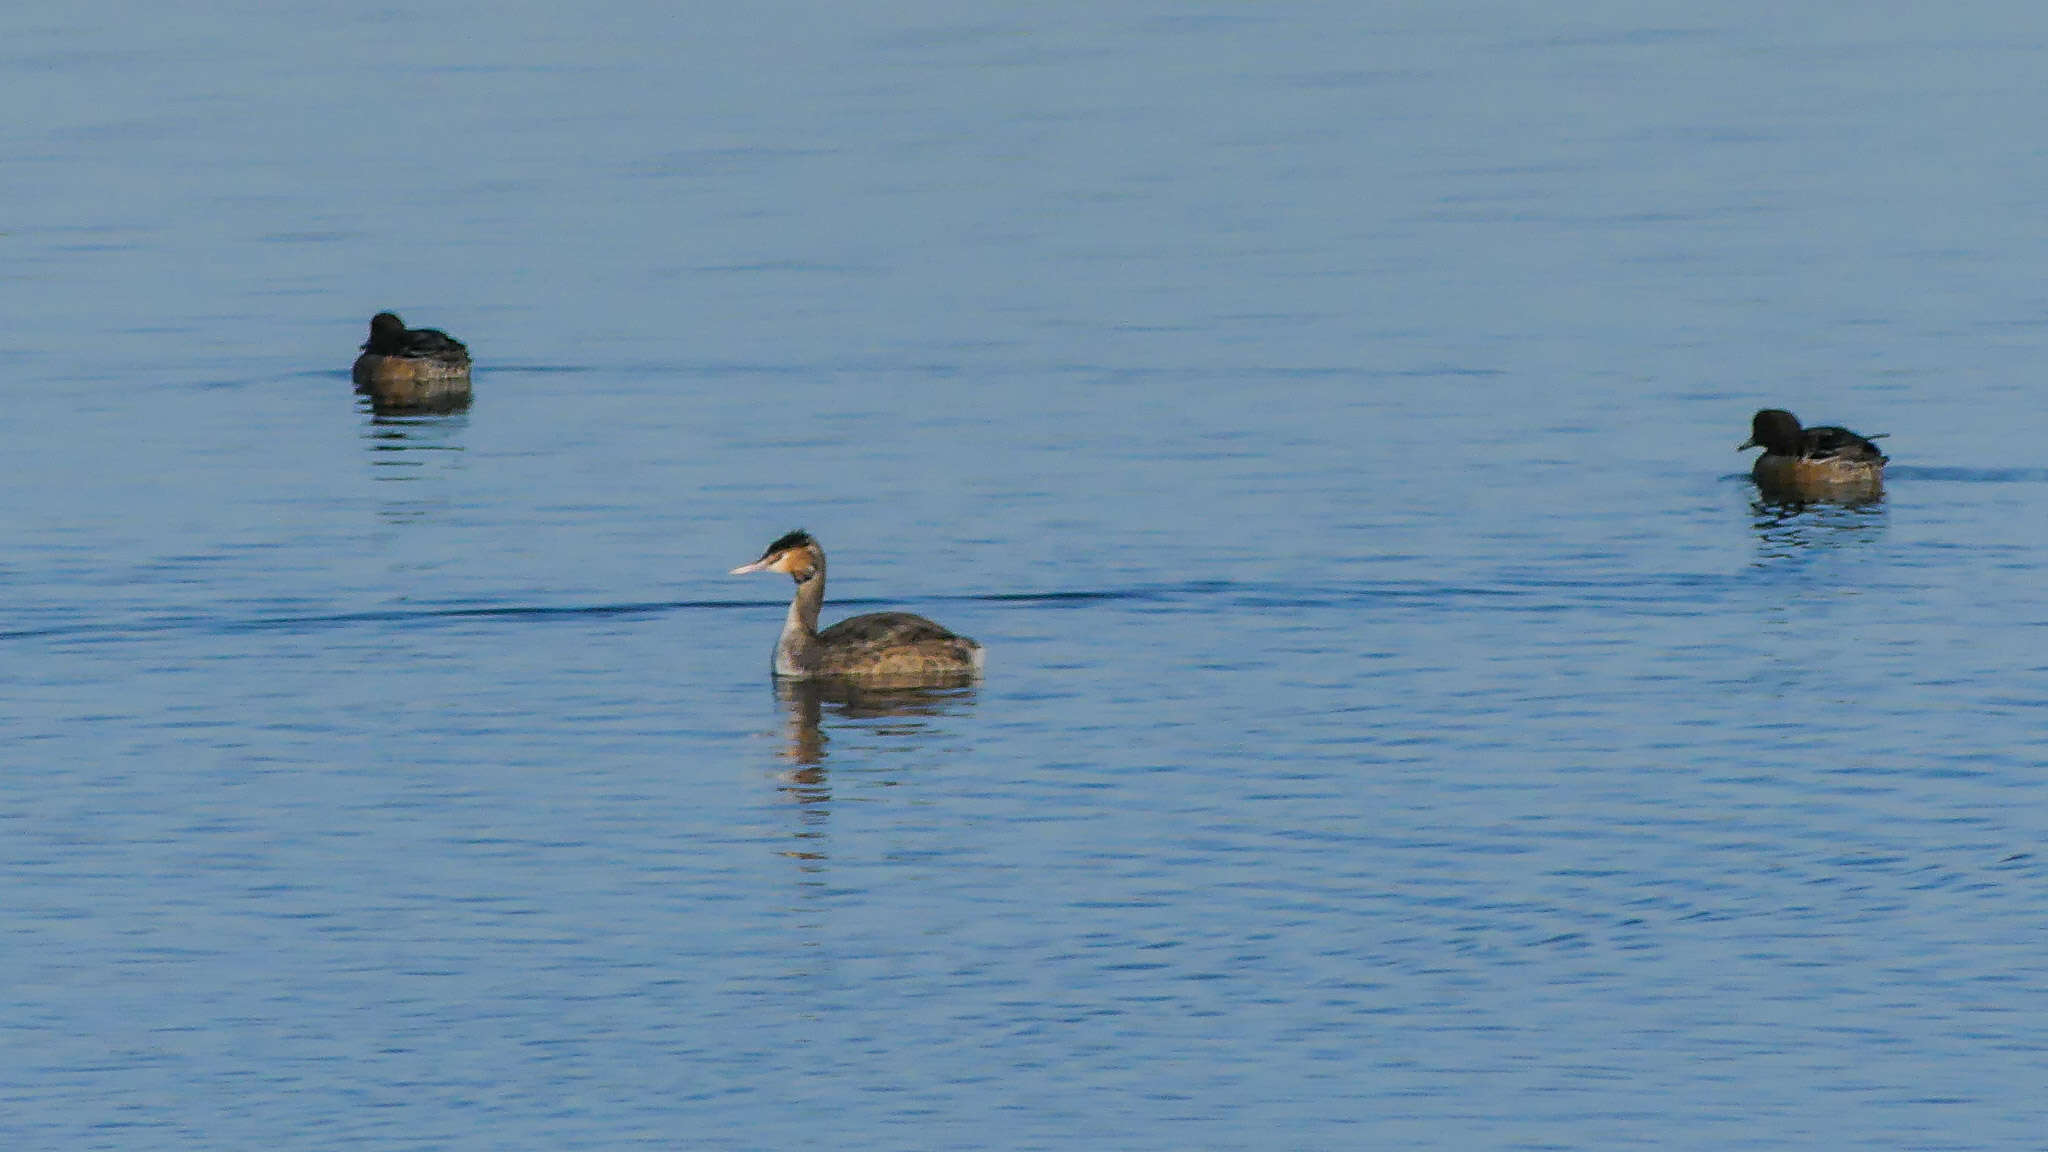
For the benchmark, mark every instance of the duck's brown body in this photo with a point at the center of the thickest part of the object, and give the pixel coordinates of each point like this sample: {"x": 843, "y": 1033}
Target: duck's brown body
{"x": 412, "y": 369}
{"x": 1804, "y": 478}
{"x": 880, "y": 649}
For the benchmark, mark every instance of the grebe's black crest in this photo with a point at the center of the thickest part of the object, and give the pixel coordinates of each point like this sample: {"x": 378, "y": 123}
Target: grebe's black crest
{"x": 796, "y": 539}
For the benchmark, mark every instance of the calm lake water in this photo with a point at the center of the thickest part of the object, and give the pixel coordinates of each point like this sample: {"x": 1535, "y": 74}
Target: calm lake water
{"x": 1404, "y": 726}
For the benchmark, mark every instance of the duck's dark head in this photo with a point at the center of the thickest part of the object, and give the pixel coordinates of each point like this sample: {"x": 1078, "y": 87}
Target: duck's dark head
{"x": 387, "y": 334}
{"x": 1774, "y": 430}
{"x": 795, "y": 555}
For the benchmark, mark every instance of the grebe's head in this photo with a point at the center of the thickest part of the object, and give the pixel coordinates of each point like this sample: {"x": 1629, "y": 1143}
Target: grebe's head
{"x": 1775, "y": 431}
{"x": 795, "y": 555}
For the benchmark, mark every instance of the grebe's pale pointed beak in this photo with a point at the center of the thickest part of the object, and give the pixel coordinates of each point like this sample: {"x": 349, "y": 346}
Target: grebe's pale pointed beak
{"x": 761, "y": 565}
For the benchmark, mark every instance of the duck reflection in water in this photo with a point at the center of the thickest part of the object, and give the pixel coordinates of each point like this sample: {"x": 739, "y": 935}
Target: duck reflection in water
{"x": 1788, "y": 530}
{"x": 404, "y": 450}
{"x": 405, "y": 441}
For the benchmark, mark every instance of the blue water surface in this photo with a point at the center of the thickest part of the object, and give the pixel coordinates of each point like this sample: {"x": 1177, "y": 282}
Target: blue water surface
{"x": 1405, "y": 725}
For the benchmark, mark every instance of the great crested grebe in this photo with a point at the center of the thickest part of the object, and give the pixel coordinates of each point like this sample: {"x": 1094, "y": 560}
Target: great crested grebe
{"x": 1812, "y": 463}
{"x": 412, "y": 368}
{"x": 882, "y": 648}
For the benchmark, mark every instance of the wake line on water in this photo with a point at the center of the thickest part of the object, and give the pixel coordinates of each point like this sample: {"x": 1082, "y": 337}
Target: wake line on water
{"x": 1897, "y": 472}
{"x": 455, "y": 613}
{"x": 1191, "y": 595}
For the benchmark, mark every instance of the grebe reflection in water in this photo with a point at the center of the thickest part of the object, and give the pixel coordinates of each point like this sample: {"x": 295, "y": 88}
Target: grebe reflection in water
{"x": 890, "y": 712}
